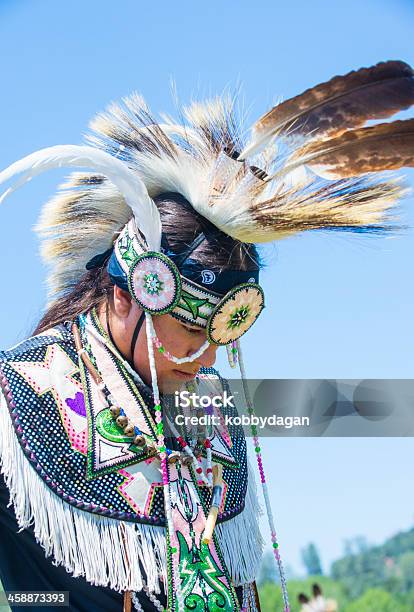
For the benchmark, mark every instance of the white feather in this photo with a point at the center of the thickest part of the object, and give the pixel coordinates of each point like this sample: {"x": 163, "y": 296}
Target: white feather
{"x": 125, "y": 180}
{"x": 255, "y": 146}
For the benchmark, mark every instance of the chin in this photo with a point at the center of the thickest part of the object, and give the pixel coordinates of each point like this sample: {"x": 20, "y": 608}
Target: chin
{"x": 174, "y": 382}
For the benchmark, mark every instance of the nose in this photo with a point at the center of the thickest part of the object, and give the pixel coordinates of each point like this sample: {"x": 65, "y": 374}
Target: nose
{"x": 208, "y": 358}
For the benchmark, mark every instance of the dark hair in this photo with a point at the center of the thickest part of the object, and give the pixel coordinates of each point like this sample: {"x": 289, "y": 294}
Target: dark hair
{"x": 218, "y": 250}
{"x": 181, "y": 224}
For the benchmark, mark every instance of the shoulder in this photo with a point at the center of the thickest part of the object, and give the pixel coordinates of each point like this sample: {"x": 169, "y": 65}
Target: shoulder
{"x": 28, "y": 369}
{"x": 60, "y": 335}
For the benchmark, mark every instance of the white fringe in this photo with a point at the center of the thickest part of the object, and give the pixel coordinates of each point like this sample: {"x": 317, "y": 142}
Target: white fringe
{"x": 98, "y": 547}
{"x": 86, "y": 544}
{"x": 240, "y": 539}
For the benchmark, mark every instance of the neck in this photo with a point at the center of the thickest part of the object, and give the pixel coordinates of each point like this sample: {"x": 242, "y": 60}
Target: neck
{"x": 118, "y": 337}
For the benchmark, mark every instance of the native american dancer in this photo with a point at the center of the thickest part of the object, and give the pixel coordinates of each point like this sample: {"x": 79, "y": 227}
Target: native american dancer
{"x": 318, "y": 603}
{"x": 153, "y": 267}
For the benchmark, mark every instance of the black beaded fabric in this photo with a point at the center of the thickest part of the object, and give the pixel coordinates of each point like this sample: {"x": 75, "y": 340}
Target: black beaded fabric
{"x": 44, "y": 440}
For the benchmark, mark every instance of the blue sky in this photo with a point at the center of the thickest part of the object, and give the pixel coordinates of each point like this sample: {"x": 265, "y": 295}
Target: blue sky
{"x": 338, "y": 306}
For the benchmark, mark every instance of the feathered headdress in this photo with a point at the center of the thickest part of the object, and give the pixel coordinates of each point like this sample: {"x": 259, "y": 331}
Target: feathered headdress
{"x": 302, "y": 167}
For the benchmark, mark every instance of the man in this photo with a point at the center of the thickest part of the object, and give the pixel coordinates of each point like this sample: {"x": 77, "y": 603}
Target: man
{"x": 111, "y": 335}
{"x": 154, "y": 267}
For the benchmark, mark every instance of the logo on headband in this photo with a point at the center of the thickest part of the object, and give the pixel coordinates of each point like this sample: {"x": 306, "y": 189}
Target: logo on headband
{"x": 208, "y": 277}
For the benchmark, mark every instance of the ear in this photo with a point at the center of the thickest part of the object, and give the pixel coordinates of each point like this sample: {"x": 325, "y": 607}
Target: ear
{"x": 122, "y": 302}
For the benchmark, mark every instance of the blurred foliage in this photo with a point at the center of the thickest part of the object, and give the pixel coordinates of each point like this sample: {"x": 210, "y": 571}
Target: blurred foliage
{"x": 366, "y": 579}
{"x": 389, "y": 567}
{"x": 377, "y": 600}
{"x": 271, "y": 596}
{"x": 373, "y": 600}
{"x": 311, "y": 560}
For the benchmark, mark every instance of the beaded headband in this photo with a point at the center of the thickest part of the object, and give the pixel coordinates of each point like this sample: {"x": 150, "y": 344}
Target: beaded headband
{"x": 157, "y": 286}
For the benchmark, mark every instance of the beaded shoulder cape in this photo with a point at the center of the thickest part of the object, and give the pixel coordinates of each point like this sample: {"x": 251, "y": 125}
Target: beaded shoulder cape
{"x": 77, "y": 448}
{"x": 84, "y": 468}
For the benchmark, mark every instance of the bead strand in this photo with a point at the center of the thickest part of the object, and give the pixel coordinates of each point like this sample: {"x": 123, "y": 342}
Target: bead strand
{"x": 232, "y": 354}
{"x": 207, "y": 478}
{"x": 209, "y": 471}
{"x": 171, "y": 540}
{"x": 178, "y": 360}
{"x": 129, "y": 429}
{"x": 245, "y": 604}
{"x": 196, "y": 465}
{"x": 157, "y": 604}
{"x": 259, "y": 460}
{"x": 136, "y": 603}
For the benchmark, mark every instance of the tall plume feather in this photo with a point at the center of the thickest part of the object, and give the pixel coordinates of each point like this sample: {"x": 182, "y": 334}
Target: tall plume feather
{"x": 385, "y": 146}
{"x": 129, "y": 184}
{"x": 344, "y": 102}
{"x": 81, "y": 221}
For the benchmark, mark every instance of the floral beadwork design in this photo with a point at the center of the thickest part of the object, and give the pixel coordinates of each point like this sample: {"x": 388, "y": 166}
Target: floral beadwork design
{"x": 154, "y": 282}
{"x": 238, "y": 317}
{"x": 235, "y": 314}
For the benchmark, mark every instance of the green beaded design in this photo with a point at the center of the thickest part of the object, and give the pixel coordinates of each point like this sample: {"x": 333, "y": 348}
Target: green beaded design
{"x": 127, "y": 250}
{"x": 197, "y": 565}
{"x": 193, "y": 304}
{"x": 109, "y": 429}
{"x": 152, "y": 284}
{"x": 238, "y": 317}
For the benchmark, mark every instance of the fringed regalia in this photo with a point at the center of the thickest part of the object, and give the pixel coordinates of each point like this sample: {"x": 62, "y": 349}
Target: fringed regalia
{"x": 90, "y": 494}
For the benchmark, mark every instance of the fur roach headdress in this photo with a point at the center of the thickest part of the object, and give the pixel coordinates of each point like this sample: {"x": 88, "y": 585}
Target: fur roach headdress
{"x": 302, "y": 168}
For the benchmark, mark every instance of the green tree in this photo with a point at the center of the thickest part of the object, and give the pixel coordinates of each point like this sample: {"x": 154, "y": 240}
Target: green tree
{"x": 388, "y": 567}
{"x": 406, "y": 570}
{"x": 355, "y": 546}
{"x": 311, "y": 560}
{"x": 406, "y": 598}
{"x": 376, "y": 600}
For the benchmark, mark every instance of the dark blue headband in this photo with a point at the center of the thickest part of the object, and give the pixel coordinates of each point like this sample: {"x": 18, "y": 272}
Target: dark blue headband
{"x": 217, "y": 281}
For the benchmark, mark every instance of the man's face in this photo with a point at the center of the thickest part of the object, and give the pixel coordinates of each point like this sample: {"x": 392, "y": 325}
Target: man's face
{"x": 179, "y": 339}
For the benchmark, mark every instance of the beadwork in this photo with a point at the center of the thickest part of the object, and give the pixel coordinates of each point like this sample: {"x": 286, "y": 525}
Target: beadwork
{"x": 167, "y": 354}
{"x": 154, "y": 282}
{"x": 235, "y": 314}
{"x": 232, "y": 354}
{"x": 256, "y": 443}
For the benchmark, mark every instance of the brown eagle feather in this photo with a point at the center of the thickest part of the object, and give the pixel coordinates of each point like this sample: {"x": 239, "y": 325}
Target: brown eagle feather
{"x": 344, "y": 102}
{"x": 385, "y": 146}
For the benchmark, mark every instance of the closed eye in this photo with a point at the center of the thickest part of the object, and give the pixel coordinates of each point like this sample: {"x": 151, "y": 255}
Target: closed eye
{"x": 193, "y": 330}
